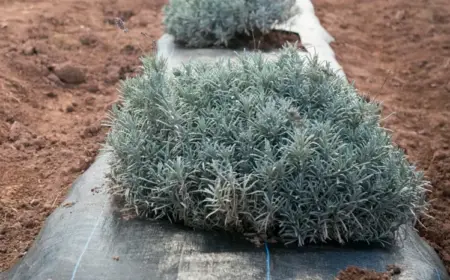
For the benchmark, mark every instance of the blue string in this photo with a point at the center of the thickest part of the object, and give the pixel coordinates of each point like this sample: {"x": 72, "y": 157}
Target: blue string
{"x": 74, "y": 272}
{"x": 267, "y": 261}
{"x": 438, "y": 274}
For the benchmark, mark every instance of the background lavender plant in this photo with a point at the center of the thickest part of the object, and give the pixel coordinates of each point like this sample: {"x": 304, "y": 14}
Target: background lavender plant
{"x": 281, "y": 147}
{"x": 205, "y": 23}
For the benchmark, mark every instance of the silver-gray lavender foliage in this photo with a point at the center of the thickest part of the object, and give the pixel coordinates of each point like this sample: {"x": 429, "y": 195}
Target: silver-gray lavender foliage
{"x": 205, "y": 23}
{"x": 257, "y": 146}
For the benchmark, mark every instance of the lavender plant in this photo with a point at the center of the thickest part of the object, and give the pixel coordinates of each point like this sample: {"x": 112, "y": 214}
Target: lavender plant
{"x": 205, "y": 23}
{"x": 281, "y": 147}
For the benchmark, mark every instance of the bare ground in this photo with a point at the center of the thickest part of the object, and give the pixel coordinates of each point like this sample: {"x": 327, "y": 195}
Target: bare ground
{"x": 60, "y": 66}
{"x": 398, "y": 52}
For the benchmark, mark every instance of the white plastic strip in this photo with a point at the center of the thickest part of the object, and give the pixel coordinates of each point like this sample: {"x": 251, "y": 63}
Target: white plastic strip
{"x": 314, "y": 37}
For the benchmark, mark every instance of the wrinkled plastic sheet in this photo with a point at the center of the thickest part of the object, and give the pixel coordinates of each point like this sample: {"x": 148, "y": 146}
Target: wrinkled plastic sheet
{"x": 89, "y": 240}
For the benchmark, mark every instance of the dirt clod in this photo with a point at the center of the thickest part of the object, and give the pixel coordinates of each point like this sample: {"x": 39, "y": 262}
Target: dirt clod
{"x": 446, "y": 189}
{"x": 356, "y": 273}
{"x": 400, "y": 15}
{"x": 34, "y": 202}
{"x": 40, "y": 142}
{"x": 29, "y": 50}
{"x": 16, "y": 225}
{"x": 91, "y": 131}
{"x": 70, "y": 108}
{"x": 92, "y": 88}
{"x": 441, "y": 155}
{"x": 447, "y": 87}
{"x": 52, "y": 77}
{"x": 68, "y": 204}
{"x": 69, "y": 73}
{"x": 47, "y": 207}
{"x": 90, "y": 100}
{"x": 113, "y": 74}
{"x": 18, "y": 131}
{"x": 51, "y": 94}
{"x": 29, "y": 223}
{"x": 88, "y": 39}
{"x": 394, "y": 269}
{"x": 129, "y": 50}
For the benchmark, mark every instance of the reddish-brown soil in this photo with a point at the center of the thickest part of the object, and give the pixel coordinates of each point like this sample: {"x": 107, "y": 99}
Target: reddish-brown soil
{"x": 398, "y": 52}
{"x": 356, "y": 273}
{"x": 60, "y": 66}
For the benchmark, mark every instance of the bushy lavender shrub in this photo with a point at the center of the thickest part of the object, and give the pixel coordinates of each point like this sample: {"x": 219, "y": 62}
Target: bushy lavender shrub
{"x": 256, "y": 146}
{"x": 205, "y": 23}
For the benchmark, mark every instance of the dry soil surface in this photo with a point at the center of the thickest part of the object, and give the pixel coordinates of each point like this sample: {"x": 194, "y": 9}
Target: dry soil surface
{"x": 398, "y": 52}
{"x": 356, "y": 273}
{"x": 60, "y": 66}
